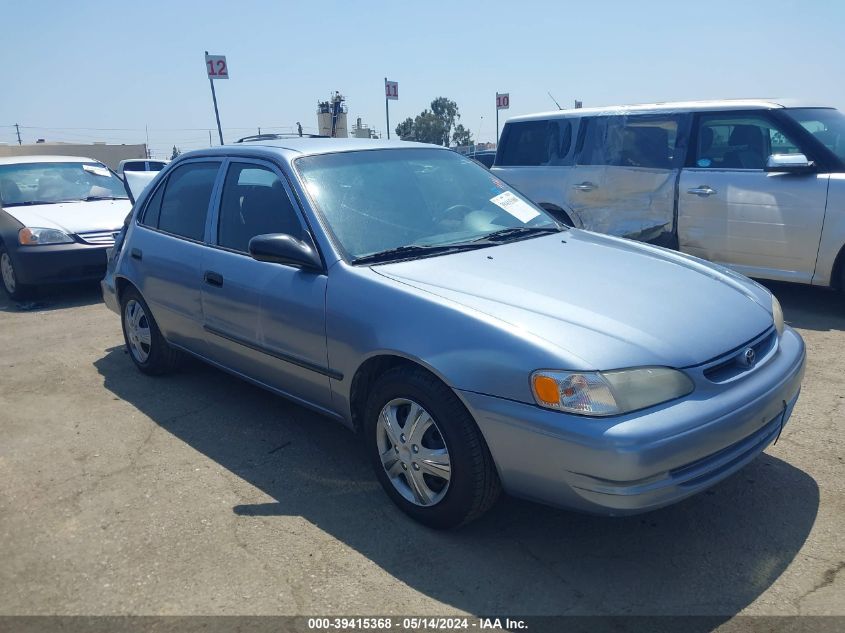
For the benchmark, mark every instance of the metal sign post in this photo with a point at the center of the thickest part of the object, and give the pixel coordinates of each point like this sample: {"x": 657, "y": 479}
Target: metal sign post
{"x": 216, "y": 67}
{"x": 503, "y": 102}
{"x": 391, "y": 91}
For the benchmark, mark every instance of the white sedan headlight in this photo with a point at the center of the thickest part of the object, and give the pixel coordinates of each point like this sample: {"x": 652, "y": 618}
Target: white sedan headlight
{"x": 777, "y": 314}
{"x": 608, "y": 392}
{"x": 33, "y": 236}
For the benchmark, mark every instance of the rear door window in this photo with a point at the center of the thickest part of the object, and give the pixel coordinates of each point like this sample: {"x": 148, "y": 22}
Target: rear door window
{"x": 184, "y": 203}
{"x": 535, "y": 143}
{"x": 630, "y": 141}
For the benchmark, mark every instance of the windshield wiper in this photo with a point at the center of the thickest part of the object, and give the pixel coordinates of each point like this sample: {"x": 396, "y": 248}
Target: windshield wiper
{"x": 503, "y": 235}
{"x": 26, "y": 203}
{"x": 91, "y": 198}
{"x": 412, "y": 250}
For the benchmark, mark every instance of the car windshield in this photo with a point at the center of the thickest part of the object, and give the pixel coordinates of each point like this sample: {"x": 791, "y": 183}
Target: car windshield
{"x": 47, "y": 183}
{"x": 826, "y": 124}
{"x": 415, "y": 202}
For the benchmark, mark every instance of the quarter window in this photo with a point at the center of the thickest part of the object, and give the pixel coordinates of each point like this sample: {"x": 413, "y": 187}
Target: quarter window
{"x": 184, "y": 204}
{"x": 254, "y": 202}
{"x": 535, "y": 143}
{"x": 739, "y": 142}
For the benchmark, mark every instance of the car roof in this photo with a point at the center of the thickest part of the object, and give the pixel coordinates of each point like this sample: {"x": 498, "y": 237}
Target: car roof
{"x": 291, "y": 148}
{"x": 669, "y": 106}
{"x": 16, "y": 160}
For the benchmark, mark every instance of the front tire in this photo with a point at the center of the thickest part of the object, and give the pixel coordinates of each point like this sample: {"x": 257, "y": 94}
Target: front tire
{"x": 11, "y": 285}
{"x": 144, "y": 341}
{"x": 427, "y": 451}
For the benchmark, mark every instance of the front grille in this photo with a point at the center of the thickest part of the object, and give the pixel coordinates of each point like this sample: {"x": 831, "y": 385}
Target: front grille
{"x": 733, "y": 364}
{"x": 99, "y": 238}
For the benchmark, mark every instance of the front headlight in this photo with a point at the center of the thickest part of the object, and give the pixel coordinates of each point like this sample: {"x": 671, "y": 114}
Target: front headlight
{"x": 608, "y": 392}
{"x": 32, "y": 236}
{"x": 777, "y": 315}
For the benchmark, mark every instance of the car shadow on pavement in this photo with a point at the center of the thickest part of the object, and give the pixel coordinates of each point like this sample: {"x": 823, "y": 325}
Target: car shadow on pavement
{"x": 710, "y": 555}
{"x": 58, "y": 297}
{"x": 810, "y": 307}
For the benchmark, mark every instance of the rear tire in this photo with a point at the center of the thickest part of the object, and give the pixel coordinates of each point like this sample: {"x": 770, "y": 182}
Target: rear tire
{"x": 144, "y": 341}
{"x": 11, "y": 285}
{"x": 434, "y": 442}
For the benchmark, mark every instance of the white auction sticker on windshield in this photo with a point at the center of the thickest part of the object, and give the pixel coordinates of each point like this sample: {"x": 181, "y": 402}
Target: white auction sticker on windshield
{"x": 96, "y": 170}
{"x": 519, "y": 209}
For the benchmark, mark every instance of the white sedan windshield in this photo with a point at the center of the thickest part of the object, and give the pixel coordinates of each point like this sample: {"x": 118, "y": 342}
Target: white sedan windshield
{"x": 46, "y": 183}
{"x": 378, "y": 200}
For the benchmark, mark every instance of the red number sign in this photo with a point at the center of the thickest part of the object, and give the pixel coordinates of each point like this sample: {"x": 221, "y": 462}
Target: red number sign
{"x": 503, "y": 101}
{"x": 391, "y": 89}
{"x": 216, "y": 66}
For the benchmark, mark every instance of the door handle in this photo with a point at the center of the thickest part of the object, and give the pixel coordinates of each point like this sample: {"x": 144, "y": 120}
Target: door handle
{"x": 702, "y": 190}
{"x": 584, "y": 186}
{"x": 137, "y": 253}
{"x": 213, "y": 279}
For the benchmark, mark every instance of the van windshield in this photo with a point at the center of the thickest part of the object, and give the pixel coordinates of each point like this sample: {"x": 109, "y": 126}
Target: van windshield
{"x": 48, "y": 183}
{"x": 826, "y": 124}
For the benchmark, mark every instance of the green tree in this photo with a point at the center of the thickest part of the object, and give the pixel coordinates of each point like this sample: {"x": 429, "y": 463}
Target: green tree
{"x": 431, "y": 126}
{"x": 176, "y": 152}
{"x": 461, "y": 136}
{"x": 405, "y": 130}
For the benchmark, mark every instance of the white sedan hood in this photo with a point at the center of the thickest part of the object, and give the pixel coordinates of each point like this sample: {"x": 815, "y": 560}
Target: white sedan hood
{"x": 73, "y": 217}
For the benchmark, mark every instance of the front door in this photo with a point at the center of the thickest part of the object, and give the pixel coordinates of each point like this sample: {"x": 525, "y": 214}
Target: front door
{"x": 731, "y": 211}
{"x": 264, "y": 320}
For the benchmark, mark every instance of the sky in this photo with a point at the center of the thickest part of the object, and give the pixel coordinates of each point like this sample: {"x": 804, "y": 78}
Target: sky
{"x": 116, "y": 71}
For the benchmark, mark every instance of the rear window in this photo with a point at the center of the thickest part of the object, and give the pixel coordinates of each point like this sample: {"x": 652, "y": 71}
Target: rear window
{"x": 134, "y": 165}
{"x": 635, "y": 141}
{"x": 535, "y": 143}
{"x": 180, "y": 206}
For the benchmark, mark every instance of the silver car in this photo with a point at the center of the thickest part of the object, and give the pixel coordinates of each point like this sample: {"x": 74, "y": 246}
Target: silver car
{"x": 475, "y": 342}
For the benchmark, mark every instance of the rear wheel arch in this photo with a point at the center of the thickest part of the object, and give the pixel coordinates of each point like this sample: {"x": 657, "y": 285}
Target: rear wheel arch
{"x": 837, "y": 275}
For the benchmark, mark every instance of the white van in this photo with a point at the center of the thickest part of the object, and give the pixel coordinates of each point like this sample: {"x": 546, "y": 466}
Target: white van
{"x": 754, "y": 185}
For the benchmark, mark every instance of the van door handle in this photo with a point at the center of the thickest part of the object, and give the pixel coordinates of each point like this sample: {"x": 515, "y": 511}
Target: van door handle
{"x": 136, "y": 253}
{"x": 584, "y": 186}
{"x": 702, "y": 191}
{"x": 213, "y": 279}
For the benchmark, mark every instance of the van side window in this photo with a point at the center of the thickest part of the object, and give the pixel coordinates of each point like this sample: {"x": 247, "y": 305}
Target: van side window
{"x": 739, "y": 142}
{"x": 254, "y": 202}
{"x": 184, "y": 205}
{"x": 630, "y": 141}
{"x": 535, "y": 143}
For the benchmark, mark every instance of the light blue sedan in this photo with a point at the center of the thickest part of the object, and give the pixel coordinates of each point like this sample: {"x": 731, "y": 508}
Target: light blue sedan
{"x": 475, "y": 343}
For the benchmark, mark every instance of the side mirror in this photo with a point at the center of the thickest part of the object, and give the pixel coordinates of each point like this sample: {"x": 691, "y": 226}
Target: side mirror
{"x": 281, "y": 248}
{"x": 789, "y": 164}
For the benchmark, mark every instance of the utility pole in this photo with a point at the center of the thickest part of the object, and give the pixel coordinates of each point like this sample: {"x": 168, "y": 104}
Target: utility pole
{"x": 18, "y": 130}
{"x": 147, "y": 129}
{"x": 209, "y": 139}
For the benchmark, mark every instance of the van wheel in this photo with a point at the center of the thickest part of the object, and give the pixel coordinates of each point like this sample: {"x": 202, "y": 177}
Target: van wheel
{"x": 147, "y": 347}
{"x": 427, "y": 451}
{"x": 11, "y": 285}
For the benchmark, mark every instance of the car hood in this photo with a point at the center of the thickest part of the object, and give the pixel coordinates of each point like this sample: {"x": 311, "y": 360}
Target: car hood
{"x": 73, "y": 217}
{"x": 604, "y": 302}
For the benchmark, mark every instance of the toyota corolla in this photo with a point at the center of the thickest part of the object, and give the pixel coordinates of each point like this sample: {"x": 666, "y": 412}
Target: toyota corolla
{"x": 475, "y": 343}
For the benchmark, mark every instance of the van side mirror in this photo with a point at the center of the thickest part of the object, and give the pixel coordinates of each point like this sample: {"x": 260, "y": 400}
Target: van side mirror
{"x": 789, "y": 164}
{"x": 281, "y": 248}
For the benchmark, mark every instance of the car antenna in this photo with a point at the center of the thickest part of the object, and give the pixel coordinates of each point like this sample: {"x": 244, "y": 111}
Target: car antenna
{"x": 553, "y": 99}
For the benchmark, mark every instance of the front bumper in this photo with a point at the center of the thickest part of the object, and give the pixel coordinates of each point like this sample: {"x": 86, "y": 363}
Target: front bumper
{"x": 59, "y": 263}
{"x": 643, "y": 460}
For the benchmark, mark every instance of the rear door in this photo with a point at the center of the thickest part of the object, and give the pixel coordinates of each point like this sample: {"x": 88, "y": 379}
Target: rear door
{"x": 167, "y": 250}
{"x": 731, "y": 211}
{"x": 264, "y": 320}
{"x": 625, "y": 173}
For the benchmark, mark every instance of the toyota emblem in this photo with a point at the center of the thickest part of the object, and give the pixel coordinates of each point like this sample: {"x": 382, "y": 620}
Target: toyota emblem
{"x": 748, "y": 357}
